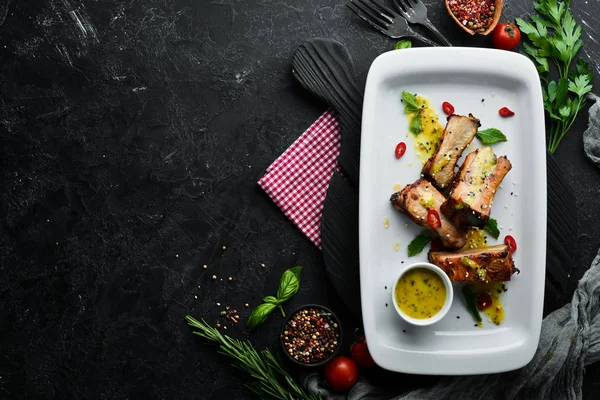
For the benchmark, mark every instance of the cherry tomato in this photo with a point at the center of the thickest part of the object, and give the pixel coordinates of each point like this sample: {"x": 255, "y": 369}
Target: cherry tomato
{"x": 506, "y": 36}
{"x": 511, "y": 243}
{"x": 360, "y": 353}
{"x": 433, "y": 219}
{"x": 341, "y": 373}
{"x": 448, "y": 108}
{"x": 400, "y": 149}
{"x": 484, "y": 301}
{"x": 506, "y": 112}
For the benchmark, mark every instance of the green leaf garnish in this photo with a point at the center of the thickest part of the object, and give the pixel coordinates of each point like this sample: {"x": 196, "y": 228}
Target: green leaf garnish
{"x": 417, "y": 245}
{"x": 403, "y": 44}
{"x": 491, "y": 136}
{"x": 288, "y": 287}
{"x": 260, "y": 314}
{"x": 410, "y": 102}
{"x": 553, "y": 34}
{"x": 492, "y": 228}
{"x": 471, "y": 301}
{"x": 416, "y": 125}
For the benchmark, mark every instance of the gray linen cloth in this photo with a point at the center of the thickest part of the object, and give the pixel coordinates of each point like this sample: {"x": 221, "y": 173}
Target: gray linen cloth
{"x": 570, "y": 340}
{"x": 591, "y": 136}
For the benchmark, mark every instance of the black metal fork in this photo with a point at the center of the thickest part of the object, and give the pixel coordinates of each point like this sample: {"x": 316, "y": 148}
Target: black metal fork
{"x": 385, "y": 20}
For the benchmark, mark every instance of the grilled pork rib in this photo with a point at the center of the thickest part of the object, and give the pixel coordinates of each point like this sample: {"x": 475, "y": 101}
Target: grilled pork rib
{"x": 416, "y": 199}
{"x": 459, "y": 132}
{"x": 472, "y": 195}
{"x": 485, "y": 264}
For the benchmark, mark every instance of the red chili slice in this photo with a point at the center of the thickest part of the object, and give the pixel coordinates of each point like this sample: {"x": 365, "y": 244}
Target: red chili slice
{"x": 433, "y": 219}
{"x": 448, "y": 108}
{"x": 506, "y": 112}
{"x": 511, "y": 243}
{"x": 436, "y": 244}
{"x": 400, "y": 149}
{"x": 484, "y": 301}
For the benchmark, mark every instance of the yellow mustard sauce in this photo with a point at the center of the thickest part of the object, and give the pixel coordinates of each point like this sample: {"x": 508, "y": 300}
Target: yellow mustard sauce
{"x": 386, "y": 223}
{"x": 475, "y": 239}
{"x": 420, "y": 293}
{"x": 397, "y": 187}
{"x": 396, "y": 246}
{"x": 495, "y": 311}
{"x": 428, "y": 140}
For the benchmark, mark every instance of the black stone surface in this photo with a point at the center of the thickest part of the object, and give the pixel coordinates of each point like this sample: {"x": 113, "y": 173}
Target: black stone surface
{"x": 133, "y": 134}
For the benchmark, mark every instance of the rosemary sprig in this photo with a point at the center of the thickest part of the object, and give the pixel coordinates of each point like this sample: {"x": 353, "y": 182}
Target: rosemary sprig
{"x": 271, "y": 378}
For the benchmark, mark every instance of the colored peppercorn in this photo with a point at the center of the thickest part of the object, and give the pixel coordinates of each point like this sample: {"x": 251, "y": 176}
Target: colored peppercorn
{"x": 311, "y": 335}
{"x": 477, "y": 15}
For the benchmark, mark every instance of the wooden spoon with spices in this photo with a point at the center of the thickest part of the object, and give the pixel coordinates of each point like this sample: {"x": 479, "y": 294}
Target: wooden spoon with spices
{"x": 459, "y": 15}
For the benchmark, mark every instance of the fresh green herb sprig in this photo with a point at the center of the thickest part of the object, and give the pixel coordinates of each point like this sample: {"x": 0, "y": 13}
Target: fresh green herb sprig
{"x": 554, "y": 35}
{"x": 411, "y": 105}
{"x": 403, "y": 44}
{"x": 491, "y": 227}
{"x": 491, "y": 136}
{"x": 471, "y": 302}
{"x": 288, "y": 287}
{"x": 272, "y": 381}
{"x": 417, "y": 245}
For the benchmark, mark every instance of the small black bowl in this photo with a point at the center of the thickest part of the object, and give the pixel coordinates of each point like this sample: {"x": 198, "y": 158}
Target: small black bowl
{"x": 326, "y": 311}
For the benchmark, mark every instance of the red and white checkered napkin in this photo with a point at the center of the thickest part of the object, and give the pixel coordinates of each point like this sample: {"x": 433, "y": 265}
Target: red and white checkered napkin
{"x": 298, "y": 180}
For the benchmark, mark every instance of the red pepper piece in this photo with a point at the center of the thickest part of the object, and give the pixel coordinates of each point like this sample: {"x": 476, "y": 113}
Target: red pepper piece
{"x": 506, "y": 112}
{"x": 433, "y": 219}
{"x": 484, "y": 301}
{"x": 448, "y": 108}
{"x": 400, "y": 149}
{"x": 511, "y": 243}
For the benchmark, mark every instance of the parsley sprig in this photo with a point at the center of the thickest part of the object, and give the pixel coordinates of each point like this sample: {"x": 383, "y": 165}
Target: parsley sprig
{"x": 555, "y": 36}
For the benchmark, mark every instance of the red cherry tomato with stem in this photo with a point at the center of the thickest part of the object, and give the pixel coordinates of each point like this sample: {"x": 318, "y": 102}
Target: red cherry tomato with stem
{"x": 506, "y": 36}
{"x": 511, "y": 243}
{"x": 400, "y": 149}
{"x": 341, "y": 373}
{"x": 448, "y": 108}
{"x": 433, "y": 219}
{"x": 360, "y": 353}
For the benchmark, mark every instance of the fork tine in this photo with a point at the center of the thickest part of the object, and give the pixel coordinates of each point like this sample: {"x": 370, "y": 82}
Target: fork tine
{"x": 369, "y": 7}
{"x": 360, "y": 14}
{"x": 383, "y": 9}
{"x": 406, "y": 4}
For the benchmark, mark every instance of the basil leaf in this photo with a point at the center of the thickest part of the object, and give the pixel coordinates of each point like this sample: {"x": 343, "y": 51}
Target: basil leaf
{"x": 492, "y": 228}
{"x": 260, "y": 314}
{"x": 289, "y": 284}
{"x": 416, "y": 125}
{"x": 403, "y": 44}
{"x": 471, "y": 301}
{"x": 410, "y": 102}
{"x": 491, "y": 136}
{"x": 418, "y": 244}
{"x": 271, "y": 299}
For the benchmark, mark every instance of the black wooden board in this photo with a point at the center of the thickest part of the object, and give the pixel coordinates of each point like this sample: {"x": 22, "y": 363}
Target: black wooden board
{"x": 319, "y": 67}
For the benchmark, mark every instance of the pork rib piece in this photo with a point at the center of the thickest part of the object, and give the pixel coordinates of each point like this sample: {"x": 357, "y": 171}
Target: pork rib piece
{"x": 470, "y": 200}
{"x": 485, "y": 264}
{"x": 459, "y": 132}
{"x": 416, "y": 199}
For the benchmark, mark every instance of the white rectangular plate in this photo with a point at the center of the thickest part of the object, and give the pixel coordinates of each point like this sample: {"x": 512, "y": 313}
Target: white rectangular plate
{"x": 462, "y": 76}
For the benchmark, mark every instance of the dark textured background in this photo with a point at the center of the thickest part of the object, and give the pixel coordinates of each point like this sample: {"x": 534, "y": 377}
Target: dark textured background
{"x": 132, "y": 137}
